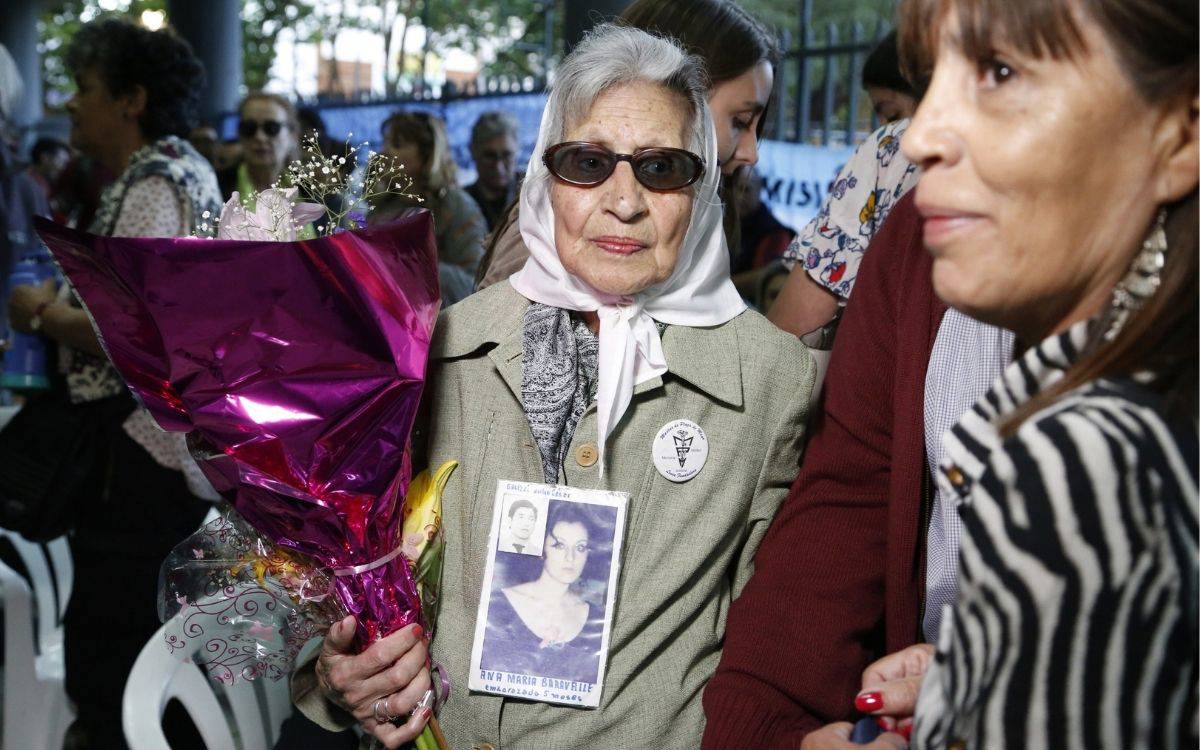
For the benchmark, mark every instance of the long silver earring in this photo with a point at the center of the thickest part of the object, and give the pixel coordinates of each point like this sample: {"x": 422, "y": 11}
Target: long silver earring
{"x": 1142, "y": 280}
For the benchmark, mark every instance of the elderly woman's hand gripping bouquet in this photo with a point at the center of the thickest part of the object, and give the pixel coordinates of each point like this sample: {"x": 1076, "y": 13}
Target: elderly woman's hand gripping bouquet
{"x": 622, "y": 324}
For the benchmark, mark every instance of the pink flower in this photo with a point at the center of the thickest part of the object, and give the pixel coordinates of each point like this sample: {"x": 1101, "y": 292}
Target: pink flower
{"x": 274, "y": 219}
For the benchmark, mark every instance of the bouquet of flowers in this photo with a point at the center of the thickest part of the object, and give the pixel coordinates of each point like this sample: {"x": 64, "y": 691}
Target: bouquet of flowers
{"x": 295, "y": 368}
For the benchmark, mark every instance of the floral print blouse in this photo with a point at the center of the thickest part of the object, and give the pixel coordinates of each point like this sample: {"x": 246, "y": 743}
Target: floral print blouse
{"x": 164, "y": 192}
{"x": 831, "y": 246}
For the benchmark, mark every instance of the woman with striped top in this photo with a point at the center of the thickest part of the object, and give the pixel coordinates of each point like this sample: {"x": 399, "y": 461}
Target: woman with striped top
{"x": 1058, "y": 147}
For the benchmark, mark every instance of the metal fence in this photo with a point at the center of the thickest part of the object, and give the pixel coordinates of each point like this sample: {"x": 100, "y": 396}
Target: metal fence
{"x": 818, "y": 97}
{"x": 818, "y": 94}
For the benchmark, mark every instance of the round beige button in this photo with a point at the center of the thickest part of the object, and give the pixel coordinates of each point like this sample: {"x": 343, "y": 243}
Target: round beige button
{"x": 587, "y": 454}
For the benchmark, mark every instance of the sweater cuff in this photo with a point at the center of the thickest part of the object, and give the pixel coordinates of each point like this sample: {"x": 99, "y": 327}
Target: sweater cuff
{"x": 735, "y": 718}
{"x": 307, "y": 697}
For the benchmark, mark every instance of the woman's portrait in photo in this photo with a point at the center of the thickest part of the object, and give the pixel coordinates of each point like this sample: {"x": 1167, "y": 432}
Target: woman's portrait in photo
{"x": 545, "y": 616}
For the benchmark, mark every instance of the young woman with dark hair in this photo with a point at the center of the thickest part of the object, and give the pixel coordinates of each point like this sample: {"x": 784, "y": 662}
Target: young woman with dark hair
{"x": 740, "y": 56}
{"x": 547, "y": 625}
{"x": 892, "y": 95}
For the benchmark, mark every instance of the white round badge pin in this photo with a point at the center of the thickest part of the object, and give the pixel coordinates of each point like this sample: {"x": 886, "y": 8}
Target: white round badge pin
{"x": 680, "y": 450}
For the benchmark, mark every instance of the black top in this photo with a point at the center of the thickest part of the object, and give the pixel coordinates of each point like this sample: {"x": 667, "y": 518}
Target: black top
{"x": 510, "y": 646}
{"x": 493, "y": 209}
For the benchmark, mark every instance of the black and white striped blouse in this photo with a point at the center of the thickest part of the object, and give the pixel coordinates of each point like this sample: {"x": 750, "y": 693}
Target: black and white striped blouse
{"x": 1076, "y": 620}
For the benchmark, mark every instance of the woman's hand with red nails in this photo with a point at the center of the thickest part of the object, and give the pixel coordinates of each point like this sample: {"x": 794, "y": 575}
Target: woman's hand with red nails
{"x": 892, "y": 684}
{"x": 890, "y": 689}
{"x": 837, "y": 737}
{"x": 389, "y": 678}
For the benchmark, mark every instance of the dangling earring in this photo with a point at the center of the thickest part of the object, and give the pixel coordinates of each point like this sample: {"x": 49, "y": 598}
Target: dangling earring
{"x": 1142, "y": 280}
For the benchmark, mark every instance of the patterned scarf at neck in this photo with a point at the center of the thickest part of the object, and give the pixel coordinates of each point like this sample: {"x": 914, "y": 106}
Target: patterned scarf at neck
{"x": 558, "y": 380}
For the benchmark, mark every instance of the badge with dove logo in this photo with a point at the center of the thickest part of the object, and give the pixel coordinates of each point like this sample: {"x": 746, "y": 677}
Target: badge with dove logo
{"x": 680, "y": 450}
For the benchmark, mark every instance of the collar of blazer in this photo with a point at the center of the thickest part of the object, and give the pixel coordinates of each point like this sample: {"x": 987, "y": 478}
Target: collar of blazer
{"x": 707, "y": 358}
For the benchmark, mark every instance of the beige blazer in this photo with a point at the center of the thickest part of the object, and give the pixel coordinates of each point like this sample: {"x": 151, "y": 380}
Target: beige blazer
{"x": 688, "y": 547}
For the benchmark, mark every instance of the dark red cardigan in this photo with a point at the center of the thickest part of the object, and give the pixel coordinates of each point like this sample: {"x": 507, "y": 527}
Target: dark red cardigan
{"x": 839, "y": 578}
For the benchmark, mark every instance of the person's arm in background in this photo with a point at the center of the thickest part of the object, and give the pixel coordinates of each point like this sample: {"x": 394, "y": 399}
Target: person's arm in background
{"x": 803, "y": 305}
{"x": 769, "y": 251}
{"x": 151, "y": 208}
{"x": 827, "y": 253}
{"x": 461, "y": 231}
{"x": 811, "y": 617}
{"x": 506, "y": 253}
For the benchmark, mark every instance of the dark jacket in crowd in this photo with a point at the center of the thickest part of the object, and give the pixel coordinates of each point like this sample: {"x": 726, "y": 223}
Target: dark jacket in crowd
{"x": 494, "y": 210}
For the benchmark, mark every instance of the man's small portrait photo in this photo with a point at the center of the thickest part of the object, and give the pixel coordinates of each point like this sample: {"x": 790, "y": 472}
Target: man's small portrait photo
{"x": 522, "y": 528}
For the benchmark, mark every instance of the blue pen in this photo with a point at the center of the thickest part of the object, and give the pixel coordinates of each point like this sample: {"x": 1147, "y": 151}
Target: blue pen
{"x": 865, "y": 730}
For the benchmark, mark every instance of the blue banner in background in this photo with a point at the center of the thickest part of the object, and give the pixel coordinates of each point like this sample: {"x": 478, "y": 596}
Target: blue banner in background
{"x": 796, "y": 177}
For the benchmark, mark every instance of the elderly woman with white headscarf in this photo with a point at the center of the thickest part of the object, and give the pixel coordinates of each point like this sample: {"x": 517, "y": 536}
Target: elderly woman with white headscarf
{"x": 622, "y": 331}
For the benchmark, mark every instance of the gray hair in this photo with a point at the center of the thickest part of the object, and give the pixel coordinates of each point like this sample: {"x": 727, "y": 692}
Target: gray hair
{"x": 493, "y": 125}
{"x": 612, "y": 56}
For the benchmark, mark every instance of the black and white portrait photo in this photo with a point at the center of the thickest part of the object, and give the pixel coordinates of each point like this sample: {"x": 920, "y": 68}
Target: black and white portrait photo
{"x": 544, "y": 619}
{"x": 522, "y": 525}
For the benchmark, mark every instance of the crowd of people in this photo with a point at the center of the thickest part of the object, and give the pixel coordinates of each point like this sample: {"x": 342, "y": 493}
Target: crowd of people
{"x": 950, "y": 488}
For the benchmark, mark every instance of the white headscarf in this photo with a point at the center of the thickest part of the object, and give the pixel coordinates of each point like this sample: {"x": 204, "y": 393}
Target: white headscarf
{"x": 699, "y": 291}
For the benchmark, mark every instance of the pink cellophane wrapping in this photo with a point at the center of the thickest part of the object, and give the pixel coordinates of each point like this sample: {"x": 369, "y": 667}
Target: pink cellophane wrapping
{"x": 295, "y": 367}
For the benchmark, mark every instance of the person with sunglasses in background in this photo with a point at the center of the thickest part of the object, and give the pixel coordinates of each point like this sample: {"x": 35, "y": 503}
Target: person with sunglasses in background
{"x": 622, "y": 333}
{"x": 269, "y": 135}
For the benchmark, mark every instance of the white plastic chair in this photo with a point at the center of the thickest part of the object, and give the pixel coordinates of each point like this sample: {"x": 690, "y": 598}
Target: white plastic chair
{"x": 243, "y": 716}
{"x": 36, "y": 710}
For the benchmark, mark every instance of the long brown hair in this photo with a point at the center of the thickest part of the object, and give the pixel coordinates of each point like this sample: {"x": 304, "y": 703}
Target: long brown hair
{"x": 428, "y": 133}
{"x": 720, "y": 32}
{"x": 728, "y": 39}
{"x": 1156, "y": 43}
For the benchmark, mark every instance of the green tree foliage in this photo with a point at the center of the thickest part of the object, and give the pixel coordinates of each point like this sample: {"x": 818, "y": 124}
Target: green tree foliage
{"x": 262, "y": 22}
{"x": 511, "y": 35}
{"x": 785, "y": 14}
{"x": 57, "y": 25}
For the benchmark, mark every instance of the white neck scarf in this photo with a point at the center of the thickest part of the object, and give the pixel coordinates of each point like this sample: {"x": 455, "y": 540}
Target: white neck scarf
{"x": 698, "y": 292}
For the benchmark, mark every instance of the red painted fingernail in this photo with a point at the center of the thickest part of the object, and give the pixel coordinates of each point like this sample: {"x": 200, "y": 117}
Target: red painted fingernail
{"x": 426, "y": 713}
{"x": 905, "y": 731}
{"x": 869, "y": 702}
{"x": 882, "y": 723}
{"x": 418, "y": 631}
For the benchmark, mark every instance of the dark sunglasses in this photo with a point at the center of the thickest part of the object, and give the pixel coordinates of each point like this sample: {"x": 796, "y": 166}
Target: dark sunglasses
{"x": 590, "y": 164}
{"x": 248, "y": 128}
